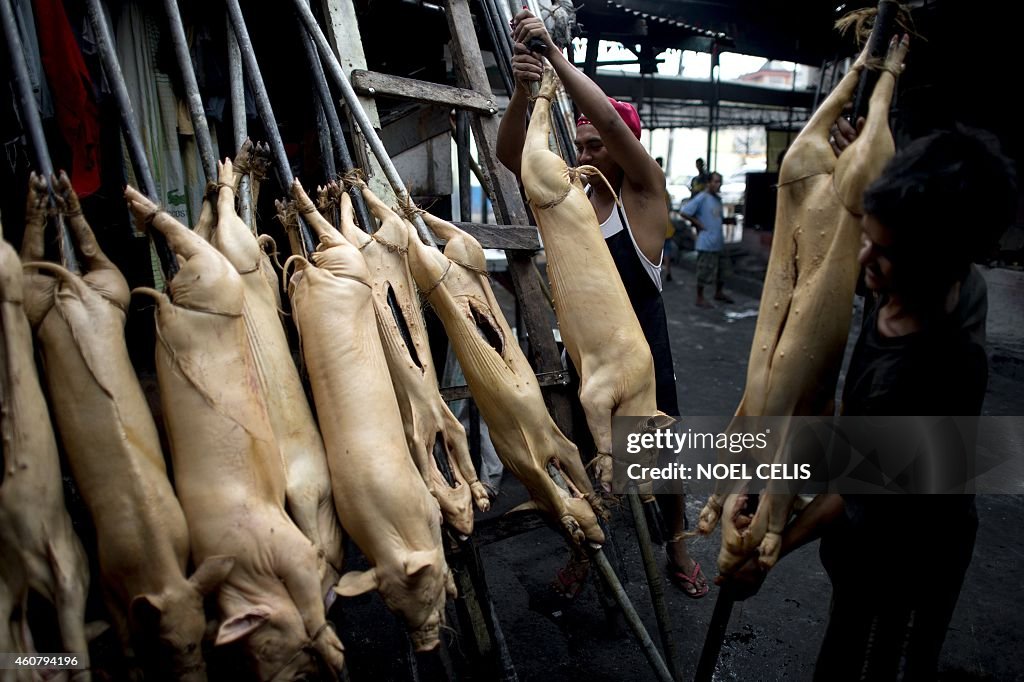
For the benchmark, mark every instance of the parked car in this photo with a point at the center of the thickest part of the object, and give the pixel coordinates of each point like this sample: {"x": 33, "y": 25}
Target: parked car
{"x": 679, "y": 189}
{"x": 734, "y": 186}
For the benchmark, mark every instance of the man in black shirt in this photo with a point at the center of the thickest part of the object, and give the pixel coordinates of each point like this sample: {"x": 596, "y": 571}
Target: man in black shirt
{"x": 938, "y": 206}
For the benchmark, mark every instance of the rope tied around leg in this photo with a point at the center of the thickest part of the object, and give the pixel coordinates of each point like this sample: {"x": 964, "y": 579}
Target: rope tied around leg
{"x": 390, "y": 246}
{"x": 354, "y": 178}
{"x": 440, "y": 279}
{"x": 572, "y": 175}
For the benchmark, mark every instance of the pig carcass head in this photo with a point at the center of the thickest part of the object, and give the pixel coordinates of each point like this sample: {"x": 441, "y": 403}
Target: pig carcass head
{"x": 175, "y": 620}
{"x": 415, "y": 589}
{"x": 277, "y": 644}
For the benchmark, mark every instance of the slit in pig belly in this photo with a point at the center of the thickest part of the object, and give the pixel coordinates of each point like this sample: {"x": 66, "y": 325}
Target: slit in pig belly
{"x": 441, "y": 459}
{"x": 403, "y": 327}
{"x": 487, "y": 331}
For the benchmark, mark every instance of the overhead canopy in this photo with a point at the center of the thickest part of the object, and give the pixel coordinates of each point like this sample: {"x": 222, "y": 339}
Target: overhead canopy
{"x": 775, "y": 29}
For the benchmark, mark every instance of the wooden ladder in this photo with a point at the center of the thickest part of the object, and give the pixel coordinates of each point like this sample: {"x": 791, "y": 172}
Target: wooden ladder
{"x": 514, "y": 234}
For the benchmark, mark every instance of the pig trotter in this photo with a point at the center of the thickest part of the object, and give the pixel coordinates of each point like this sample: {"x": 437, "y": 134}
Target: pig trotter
{"x": 573, "y": 529}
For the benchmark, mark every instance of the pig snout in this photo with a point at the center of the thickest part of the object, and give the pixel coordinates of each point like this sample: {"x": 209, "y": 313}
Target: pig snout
{"x": 428, "y": 635}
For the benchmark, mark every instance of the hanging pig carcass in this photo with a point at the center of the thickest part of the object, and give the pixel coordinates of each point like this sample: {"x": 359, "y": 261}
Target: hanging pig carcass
{"x": 381, "y": 499}
{"x": 112, "y": 445}
{"x": 805, "y": 312}
{"x": 598, "y": 325}
{"x": 227, "y": 466}
{"x": 502, "y": 381}
{"x": 308, "y": 484}
{"x": 38, "y": 547}
{"x": 430, "y": 427}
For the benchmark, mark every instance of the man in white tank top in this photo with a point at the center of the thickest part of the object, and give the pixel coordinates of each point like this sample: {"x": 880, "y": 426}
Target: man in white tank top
{"x": 608, "y": 137}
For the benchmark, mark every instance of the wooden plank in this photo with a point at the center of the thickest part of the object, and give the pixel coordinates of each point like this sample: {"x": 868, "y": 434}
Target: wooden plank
{"x": 538, "y": 318}
{"x": 453, "y": 393}
{"x": 342, "y": 31}
{"x": 381, "y": 84}
{"x": 508, "y": 237}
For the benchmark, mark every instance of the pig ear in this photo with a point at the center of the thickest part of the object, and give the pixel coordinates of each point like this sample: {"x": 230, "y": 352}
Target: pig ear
{"x": 211, "y": 573}
{"x": 355, "y": 583}
{"x": 417, "y": 562}
{"x": 237, "y": 627}
{"x": 146, "y": 610}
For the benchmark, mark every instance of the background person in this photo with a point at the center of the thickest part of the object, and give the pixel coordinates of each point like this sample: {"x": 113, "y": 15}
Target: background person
{"x": 704, "y": 212}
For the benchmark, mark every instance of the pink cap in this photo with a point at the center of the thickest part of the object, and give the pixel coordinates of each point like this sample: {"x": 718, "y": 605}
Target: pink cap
{"x": 627, "y": 112}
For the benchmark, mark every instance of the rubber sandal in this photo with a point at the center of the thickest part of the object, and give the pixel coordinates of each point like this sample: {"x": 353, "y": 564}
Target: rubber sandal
{"x": 678, "y": 578}
{"x": 569, "y": 581}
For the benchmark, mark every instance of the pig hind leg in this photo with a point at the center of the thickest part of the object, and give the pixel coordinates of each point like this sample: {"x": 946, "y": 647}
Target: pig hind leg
{"x": 304, "y": 588}
{"x": 70, "y": 573}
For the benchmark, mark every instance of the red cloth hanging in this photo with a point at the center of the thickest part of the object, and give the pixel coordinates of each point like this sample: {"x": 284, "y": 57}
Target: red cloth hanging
{"x": 76, "y": 110}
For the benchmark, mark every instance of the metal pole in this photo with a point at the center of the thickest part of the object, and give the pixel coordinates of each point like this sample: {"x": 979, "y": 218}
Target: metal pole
{"x": 356, "y": 110}
{"x": 654, "y": 583}
{"x": 252, "y": 71}
{"x": 239, "y": 124}
{"x": 337, "y": 132}
{"x": 33, "y": 123}
{"x": 323, "y": 135}
{"x": 635, "y": 624}
{"x": 501, "y": 40}
{"x": 192, "y": 97}
{"x": 129, "y": 126}
{"x": 462, "y": 146}
{"x": 716, "y": 634}
{"x": 878, "y": 43}
{"x": 597, "y": 555}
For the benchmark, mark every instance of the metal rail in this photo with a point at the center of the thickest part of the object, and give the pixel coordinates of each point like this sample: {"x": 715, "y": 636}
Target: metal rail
{"x": 356, "y": 110}
{"x": 337, "y": 133}
{"x": 239, "y": 124}
{"x": 129, "y": 127}
{"x": 282, "y": 169}
{"x": 192, "y": 98}
{"x": 33, "y": 123}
